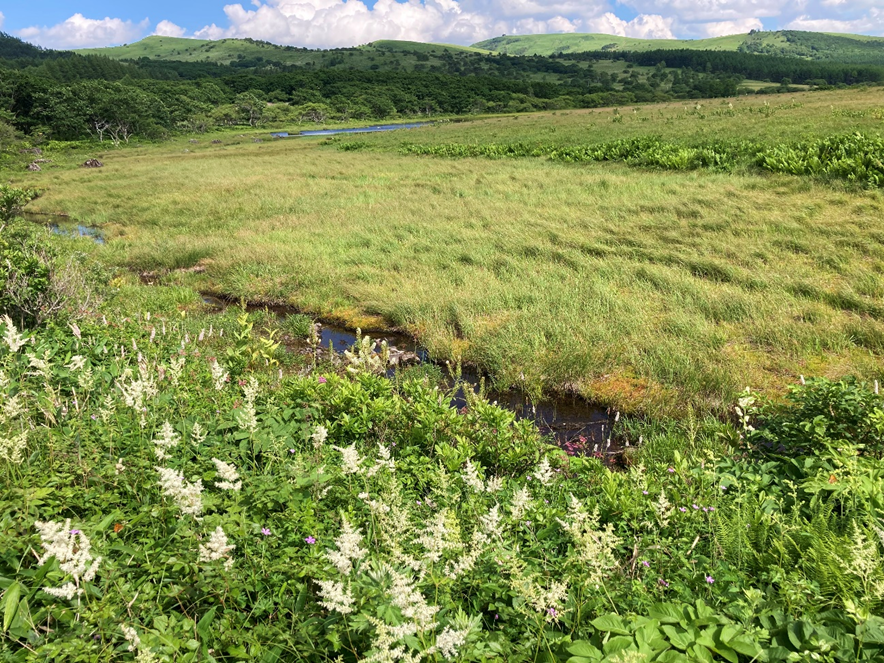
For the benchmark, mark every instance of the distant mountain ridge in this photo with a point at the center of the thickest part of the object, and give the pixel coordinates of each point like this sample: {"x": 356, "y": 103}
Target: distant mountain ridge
{"x": 832, "y": 47}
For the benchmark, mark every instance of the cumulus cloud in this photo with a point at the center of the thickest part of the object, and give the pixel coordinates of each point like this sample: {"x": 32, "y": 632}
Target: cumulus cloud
{"x": 81, "y": 32}
{"x": 169, "y": 29}
{"x": 2, "y": 18}
{"x": 871, "y": 23}
{"x": 643, "y": 26}
{"x": 697, "y": 11}
{"x": 724, "y": 28}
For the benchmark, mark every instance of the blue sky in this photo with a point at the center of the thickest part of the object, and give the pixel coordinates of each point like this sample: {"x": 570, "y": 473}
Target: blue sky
{"x": 327, "y": 23}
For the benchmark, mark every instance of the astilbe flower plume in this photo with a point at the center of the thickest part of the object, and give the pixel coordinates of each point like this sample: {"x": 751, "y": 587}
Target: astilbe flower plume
{"x": 168, "y": 439}
{"x": 351, "y": 463}
{"x": 187, "y": 496}
{"x": 217, "y": 548}
{"x": 594, "y": 546}
{"x": 348, "y": 550}
{"x": 73, "y": 551}
{"x": 544, "y": 473}
{"x": 11, "y": 336}
{"x": 335, "y": 596}
{"x": 228, "y": 474}
{"x": 471, "y": 477}
{"x": 12, "y": 448}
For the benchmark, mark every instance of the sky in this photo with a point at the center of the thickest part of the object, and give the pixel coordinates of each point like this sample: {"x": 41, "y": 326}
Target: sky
{"x": 71, "y": 24}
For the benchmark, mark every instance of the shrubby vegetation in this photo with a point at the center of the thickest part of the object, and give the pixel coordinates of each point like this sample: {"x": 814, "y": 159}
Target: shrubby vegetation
{"x": 855, "y": 158}
{"x": 180, "y": 488}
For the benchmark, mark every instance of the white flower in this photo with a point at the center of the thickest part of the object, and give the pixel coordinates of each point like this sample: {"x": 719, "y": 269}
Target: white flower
{"x": 410, "y": 602}
{"x": 14, "y": 340}
{"x": 119, "y": 468}
{"x": 336, "y": 597}
{"x": 350, "y": 460}
{"x": 384, "y": 460}
{"x": 219, "y": 375}
{"x": 490, "y": 523}
{"x": 521, "y": 501}
{"x": 227, "y": 471}
{"x": 73, "y": 552}
{"x": 470, "y": 476}
{"x": 131, "y": 637}
{"x": 319, "y": 436}
{"x": 137, "y": 392}
{"x": 448, "y": 642}
{"x": 217, "y": 548}
{"x": 494, "y": 485}
{"x": 348, "y": 549}
{"x": 248, "y": 418}
{"x": 67, "y": 591}
{"x": 42, "y": 365}
{"x": 198, "y": 436}
{"x": 544, "y": 473}
{"x": 168, "y": 439}
{"x": 77, "y": 362}
{"x": 187, "y": 496}
{"x": 176, "y": 368}
{"x": 12, "y": 448}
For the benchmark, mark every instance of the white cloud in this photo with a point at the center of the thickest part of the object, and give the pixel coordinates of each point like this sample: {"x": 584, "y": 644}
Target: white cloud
{"x": 81, "y": 32}
{"x": 643, "y": 26}
{"x": 697, "y": 11}
{"x": 2, "y": 18}
{"x": 169, "y": 29}
{"x": 324, "y": 23}
{"x": 724, "y": 28}
{"x": 871, "y": 23}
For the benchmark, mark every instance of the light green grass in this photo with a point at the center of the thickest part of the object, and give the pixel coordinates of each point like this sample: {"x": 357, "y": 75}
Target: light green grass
{"x": 646, "y": 290}
{"x": 575, "y": 43}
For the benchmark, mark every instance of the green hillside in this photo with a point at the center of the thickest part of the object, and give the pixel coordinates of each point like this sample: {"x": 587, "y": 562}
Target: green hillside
{"x": 227, "y": 51}
{"x": 575, "y": 43}
{"x": 854, "y": 49}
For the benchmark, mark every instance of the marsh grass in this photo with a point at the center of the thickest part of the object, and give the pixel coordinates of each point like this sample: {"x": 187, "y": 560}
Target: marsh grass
{"x": 645, "y": 290}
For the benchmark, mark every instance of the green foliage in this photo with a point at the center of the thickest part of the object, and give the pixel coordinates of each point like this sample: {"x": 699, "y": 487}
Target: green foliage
{"x": 854, "y": 158}
{"x": 13, "y": 200}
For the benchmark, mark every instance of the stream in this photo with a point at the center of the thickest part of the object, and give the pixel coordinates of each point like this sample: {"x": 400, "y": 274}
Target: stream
{"x": 579, "y": 427}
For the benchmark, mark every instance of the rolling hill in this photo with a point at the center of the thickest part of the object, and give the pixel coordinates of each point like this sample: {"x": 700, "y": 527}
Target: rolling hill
{"x": 852, "y": 49}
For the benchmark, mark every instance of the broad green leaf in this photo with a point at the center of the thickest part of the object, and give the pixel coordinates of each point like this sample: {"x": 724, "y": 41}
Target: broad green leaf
{"x": 583, "y": 648}
{"x": 11, "y": 598}
{"x": 610, "y": 623}
{"x": 204, "y": 625}
{"x": 667, "y": 613}
{"x": 618, "y": 643}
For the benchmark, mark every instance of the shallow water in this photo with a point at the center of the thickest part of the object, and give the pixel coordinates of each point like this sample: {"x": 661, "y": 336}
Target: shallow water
{"x": 357, "y": 130}
{"x": 578, "y": 426}
{"x": 62, "y": 225}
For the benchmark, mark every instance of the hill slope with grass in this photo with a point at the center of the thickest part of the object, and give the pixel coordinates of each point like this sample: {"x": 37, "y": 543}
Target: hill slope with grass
{"x": 857, "y": 49}
{"x": 227, "y": 51}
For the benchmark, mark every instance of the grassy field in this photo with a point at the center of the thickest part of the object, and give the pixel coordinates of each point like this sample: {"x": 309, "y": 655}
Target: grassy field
{"x": 575, "y": 43}
{"x": 646, "y": 290}
{"x": 776, "y": 42}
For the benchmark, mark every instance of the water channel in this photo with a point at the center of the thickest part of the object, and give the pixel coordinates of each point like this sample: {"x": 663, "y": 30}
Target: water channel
{"x": 577, "y": 425}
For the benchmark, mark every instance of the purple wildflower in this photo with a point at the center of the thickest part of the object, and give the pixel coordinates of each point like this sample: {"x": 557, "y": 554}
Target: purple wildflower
{"x": 644, "y": 492}
{"x": 310, "y": 540}
{"x": 695, "y": 507}
{"x": 552, "y": 612}
{"x": 322, "y": 380}
{"x": 265, "y": 531}
{"x": 671, "y": 470}
{"x": 710, "y": 579}
{"x": 663, "y": 582}
{"x": 646, "y": 564}
{"x": 682, "y": 509}
{"x": 75, "y": 531}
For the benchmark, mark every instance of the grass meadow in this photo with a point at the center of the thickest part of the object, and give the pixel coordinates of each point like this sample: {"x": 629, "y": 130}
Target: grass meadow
{"x": 646, "y": 290}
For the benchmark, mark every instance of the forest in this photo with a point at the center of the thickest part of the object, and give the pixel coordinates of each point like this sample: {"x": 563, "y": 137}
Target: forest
{"x": 67, "y": 96}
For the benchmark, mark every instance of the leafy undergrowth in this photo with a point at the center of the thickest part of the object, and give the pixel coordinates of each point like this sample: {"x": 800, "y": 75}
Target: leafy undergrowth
{"x": 855, "y": 158}
{"x": 162, "y": 505}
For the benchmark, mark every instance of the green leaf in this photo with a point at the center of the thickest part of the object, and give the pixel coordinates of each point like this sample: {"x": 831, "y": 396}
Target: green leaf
{"x": 583, "y": 648}
{"x": 678, "y": 637}
{"x": 667, "y": 613}
{"x": 204, "y": 625}
{"x": 11, "y": 598}
{"x": 611, "y": 623}
{"x": 618, "y": 643}
{"x": 672, "y": 656}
